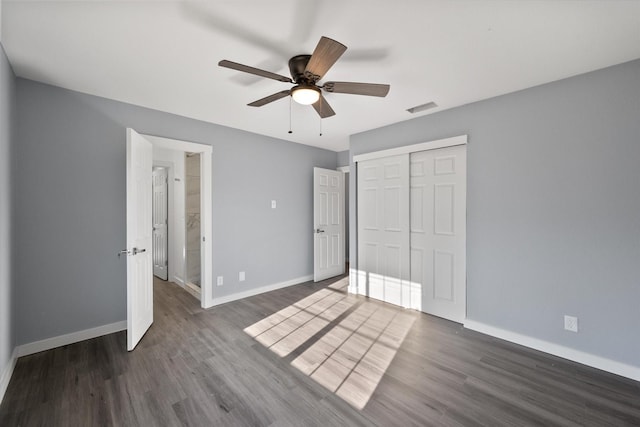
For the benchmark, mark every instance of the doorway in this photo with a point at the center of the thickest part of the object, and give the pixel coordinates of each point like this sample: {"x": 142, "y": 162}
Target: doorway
{"x": 172, "y": 154}
{"x": 177, "y": 233}
{"x": 139, "y": 232}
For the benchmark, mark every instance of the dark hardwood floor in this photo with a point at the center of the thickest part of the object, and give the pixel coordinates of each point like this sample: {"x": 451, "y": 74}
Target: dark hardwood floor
{"x": 308, "y": 355}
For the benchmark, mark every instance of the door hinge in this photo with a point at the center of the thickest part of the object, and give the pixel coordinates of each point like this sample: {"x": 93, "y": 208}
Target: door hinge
{"x": 203, "y": 238}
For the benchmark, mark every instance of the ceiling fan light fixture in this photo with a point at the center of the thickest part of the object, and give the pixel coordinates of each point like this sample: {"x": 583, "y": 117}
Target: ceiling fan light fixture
{"x": 305, "y": 95}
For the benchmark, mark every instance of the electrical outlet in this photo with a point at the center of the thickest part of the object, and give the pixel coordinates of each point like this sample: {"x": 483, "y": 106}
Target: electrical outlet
{"x": 220, "y": 280}
{"x": 571, "y": 323}
{"x": 241, "y": 276}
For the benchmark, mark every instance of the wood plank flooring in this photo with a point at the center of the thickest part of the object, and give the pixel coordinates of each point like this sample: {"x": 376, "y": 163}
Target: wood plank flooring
{"x": 308, "y": 355}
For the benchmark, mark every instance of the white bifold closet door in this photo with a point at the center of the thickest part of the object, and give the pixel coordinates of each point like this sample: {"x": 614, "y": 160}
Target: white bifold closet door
{"x": 412, "y": 230}
{"x": 438, "y": 230}
{"x": 383, "y": 229}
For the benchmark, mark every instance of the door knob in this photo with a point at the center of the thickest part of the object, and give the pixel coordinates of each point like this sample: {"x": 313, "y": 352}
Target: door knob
{"x": 133, "y": 251}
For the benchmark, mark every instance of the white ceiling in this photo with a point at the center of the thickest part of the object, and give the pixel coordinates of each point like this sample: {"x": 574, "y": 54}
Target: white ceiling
{"x": 164, "y": 54}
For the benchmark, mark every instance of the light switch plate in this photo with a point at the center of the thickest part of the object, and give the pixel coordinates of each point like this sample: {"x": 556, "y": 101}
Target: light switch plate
{"x": 571, "y": 323}
{"x": 273, "y": 204}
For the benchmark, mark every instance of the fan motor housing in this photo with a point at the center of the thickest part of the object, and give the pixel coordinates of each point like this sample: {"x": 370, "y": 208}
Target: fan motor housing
{"x": 297, "y": 65}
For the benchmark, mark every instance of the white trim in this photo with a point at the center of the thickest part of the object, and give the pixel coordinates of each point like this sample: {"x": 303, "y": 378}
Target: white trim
{"x": 408, "y": 149}
{"x": 193, "y": 290}
{"x": 171, "y": 144}
{"x": 206, "y": 222}
{"x": 189, "y": 287}
{"x": 261, "y": 290}
{"x": 74, "y": 337}
{"x": 206, "y": 214}
{"x": 7, "y": 373}
{"x": 344, "y": 169}
{"x": 598, "y": 362}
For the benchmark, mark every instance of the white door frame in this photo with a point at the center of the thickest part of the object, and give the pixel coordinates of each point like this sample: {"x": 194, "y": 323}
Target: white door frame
{"x": 354, "y": 286}
{"x": 346, "y": 170}
{"x": 206, "y": 294}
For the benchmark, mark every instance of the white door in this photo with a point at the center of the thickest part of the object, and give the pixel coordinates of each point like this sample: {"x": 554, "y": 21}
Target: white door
{"x": 160, "y": 221}
{"x": 383, "y": 229}
{"x": 139, "y": 238}
{"x": 438, "y": 230}
{"x": 328, "y": 223}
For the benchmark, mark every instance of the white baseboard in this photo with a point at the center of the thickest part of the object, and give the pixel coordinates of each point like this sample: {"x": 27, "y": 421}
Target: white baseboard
{"x": 7, "y": 371}
{"x": 192, "y": 289}
{"x": 260, "y": 290}
{"x": 74, "y": 337}
{"x": 598, "y": 362}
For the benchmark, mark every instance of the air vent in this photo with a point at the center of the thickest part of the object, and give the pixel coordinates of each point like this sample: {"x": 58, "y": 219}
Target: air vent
{"x": 422, "y": 107}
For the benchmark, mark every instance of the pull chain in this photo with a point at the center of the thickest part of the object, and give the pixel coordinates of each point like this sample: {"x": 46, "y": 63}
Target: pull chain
{"x": 321, "y": 116}
{"x": 290, "y": 101}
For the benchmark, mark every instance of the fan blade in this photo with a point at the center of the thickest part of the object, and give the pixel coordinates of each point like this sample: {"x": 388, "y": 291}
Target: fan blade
{"x": 368, "y": 89}
{"x": 323, "y": 108}
{"x": 324, "y": 56}
{"x": 270, "y": 98}
{"x": 253, "y": 70}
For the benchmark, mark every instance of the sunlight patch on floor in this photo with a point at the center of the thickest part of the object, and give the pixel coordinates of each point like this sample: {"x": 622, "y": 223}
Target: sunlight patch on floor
{"x": 289, "y": 328}
{"x": 351, "y": 358}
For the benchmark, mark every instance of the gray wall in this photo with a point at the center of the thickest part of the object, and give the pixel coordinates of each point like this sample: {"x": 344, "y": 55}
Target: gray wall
{"x": 553, "y": 208}
{"x": 70, "y": 200}
{"x": 343, "y": 158}
{"x": 7, "y": 108}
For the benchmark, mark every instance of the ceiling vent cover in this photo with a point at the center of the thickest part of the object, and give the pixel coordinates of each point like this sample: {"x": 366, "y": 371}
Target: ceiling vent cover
{"x": 422, "y": 107}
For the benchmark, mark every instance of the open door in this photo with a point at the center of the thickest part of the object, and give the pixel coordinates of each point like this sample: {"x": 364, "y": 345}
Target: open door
{"x": 160, "y": 223}
{"x": 328, "y": 223}
{"x": 139, "y": 238}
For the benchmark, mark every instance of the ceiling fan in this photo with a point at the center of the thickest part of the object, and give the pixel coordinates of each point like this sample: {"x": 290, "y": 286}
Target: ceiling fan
{"x": 306, "y": 71}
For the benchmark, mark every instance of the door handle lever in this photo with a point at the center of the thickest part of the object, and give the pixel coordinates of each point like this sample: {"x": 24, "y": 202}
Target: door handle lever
{"x": 133, "y": 251}
{"x": 123, "y": 252}
{"x": 319, "y": 230}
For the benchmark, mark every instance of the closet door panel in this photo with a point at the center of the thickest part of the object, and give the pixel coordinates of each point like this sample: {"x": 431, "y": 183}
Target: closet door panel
{"x": 438, "y": 237}
{"x": 383, "y": 229}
